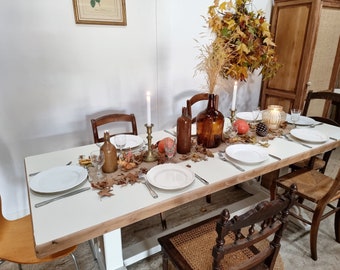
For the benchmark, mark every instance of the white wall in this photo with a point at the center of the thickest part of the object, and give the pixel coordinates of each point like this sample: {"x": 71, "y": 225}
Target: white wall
{"x": 55, "y": 75}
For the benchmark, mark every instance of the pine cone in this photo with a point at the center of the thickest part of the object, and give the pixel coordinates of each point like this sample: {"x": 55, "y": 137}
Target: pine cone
{"x": 261, "y": 129}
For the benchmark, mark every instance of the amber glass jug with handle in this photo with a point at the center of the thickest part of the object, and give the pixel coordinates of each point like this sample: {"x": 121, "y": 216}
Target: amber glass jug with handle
{"x": 210, "y": 123}
{"x": 110, "y": 152}
{"x": 184, "y": 132}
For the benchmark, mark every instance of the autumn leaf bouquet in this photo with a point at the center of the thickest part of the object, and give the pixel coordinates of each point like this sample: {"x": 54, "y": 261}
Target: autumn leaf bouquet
{"x": 242, "y": 43}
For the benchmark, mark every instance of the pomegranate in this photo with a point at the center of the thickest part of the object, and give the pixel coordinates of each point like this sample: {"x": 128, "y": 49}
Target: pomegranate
{"x": 242, "y": 126}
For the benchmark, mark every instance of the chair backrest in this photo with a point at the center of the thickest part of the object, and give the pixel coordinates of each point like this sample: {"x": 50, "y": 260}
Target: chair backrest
{"x": 100, "y": 124}
{"x": 268, "y": 218}
{"x": 196, "y": 98}
{"x": 331, "y": 111}
{"x": 331, "y": 116}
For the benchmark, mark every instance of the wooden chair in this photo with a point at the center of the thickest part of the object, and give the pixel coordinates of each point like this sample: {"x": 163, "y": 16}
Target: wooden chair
{"x": 196, "y": 98}
{"x": 315, "y": 192}
{"x": 331, "y": 109}
{"x": 331, "y": 116}
{"x": 17, "y": 243}
{"x": 104, "y": 122}
{"x": 237, "y": 243}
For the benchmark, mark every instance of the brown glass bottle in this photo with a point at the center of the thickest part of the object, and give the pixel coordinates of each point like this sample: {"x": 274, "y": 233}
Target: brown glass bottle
{"x": 210, "y": 124}
{"x": 184, "y": 132}
{"x": 110, "y": 153}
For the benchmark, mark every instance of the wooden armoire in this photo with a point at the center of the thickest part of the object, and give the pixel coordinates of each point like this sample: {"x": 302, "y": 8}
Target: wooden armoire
{"x": 307, "y": 36}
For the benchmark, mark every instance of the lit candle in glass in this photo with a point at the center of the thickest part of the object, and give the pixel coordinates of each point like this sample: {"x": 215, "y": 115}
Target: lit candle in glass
{"x": 233, "y": 102}
{"x": 274, "y": 116}
{"x": 148, "y": 109}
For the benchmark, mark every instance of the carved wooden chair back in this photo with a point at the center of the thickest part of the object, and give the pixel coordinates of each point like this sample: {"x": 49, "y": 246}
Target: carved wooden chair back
{"x": 241, "y": 242}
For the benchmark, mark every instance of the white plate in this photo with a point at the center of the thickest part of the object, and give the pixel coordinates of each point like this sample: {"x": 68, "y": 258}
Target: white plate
{"x": 309, "y": 135}
{"x": 170, "y": 176}
{"x": 303, "y": 121}
{"x": 248, "y": 116}
{"x": 247, "y": 153}
{"x": 58, "y": 179}
{"x": 132, "y": 141}
{"x": 193, "y": 129}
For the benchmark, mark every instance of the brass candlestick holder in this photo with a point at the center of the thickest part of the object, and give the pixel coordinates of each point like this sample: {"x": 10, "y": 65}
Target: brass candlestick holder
{"x": 232, "y": 116}
{"x": 149, "y": 157}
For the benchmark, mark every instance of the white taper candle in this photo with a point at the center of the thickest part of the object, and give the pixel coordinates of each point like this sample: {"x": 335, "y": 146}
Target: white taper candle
{"x": 148, "y": 108}
{"x": 233, "y": 102}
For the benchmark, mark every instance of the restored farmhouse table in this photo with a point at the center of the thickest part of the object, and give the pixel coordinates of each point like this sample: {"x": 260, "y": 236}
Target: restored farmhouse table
{"x": 77, "y": 219}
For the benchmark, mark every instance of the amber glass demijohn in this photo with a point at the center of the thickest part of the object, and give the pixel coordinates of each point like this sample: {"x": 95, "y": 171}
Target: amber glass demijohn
{"x": 184, "y": 132}
{"x": 210, "y": 124}
{"x": 110, "y": 153}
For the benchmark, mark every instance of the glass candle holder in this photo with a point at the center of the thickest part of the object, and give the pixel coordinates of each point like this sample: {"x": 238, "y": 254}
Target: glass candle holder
{"x": 274, "y": 116}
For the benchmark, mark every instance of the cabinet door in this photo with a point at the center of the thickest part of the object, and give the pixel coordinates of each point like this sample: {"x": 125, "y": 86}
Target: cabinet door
{"x": 293, "y": 25}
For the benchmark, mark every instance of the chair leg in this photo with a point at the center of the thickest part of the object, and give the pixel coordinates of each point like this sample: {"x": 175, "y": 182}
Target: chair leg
{"x": 337, "y": 223}
{"x": 163, "y": 221}
{"x": 75, "y": 261}
{"x": 314, "y": 232}
{"x": 165, "y": 261}
{"x": 97, "y": 253}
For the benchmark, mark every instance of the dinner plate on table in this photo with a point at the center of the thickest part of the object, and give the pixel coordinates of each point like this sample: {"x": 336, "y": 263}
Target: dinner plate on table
{"x": 247, "y": 153}
{"x": 303, "y": 121}
{"x": 132, "y": 142}
{"x": 248, "y": 116}
{"x": 58, "y": 179}
{"x": 170, "y": 176}
{"x": 309, "y": 135}
{"x": 193, "y": 129}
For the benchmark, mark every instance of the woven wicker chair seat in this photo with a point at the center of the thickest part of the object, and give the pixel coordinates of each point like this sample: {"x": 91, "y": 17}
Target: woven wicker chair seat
{"x": 204, "y": 237}
{"x": 317, "y": 165}
{"x": 312, "y": 184}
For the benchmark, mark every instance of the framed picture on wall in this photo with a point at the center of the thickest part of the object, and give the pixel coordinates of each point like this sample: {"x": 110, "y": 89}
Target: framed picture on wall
{"x": 111, "y": 12}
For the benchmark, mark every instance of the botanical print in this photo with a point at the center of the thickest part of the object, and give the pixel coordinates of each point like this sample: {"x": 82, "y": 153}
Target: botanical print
{"x": 93, "y": 2}
{"x": 100, "y": 11}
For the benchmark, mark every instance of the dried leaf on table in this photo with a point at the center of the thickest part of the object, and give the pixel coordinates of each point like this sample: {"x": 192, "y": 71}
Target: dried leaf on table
{"x": 131, "y": 178}
{"x": 84, "y": 161}
{"x": 125, "y": 165}
{"x": 161, "y": 158}
{"x": 130, "y": 161}
{"x": 198, "y": 153}
{"x": 106, "y": 192}
{"x": 241, "y": 139}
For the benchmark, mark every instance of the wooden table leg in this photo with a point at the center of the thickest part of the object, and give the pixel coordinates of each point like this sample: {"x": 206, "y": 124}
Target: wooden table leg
{"x": 267, "y": 181}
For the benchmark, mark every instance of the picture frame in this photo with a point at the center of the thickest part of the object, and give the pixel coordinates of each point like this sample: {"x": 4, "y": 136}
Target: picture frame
{"x": 107, "y": 12}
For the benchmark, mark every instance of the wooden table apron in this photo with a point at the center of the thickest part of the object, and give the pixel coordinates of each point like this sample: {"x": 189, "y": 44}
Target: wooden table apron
{"x": 79, "y": 218}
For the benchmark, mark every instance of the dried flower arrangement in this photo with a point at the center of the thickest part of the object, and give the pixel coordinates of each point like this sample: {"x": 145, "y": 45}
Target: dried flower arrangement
{"x": 242, "y": 44}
